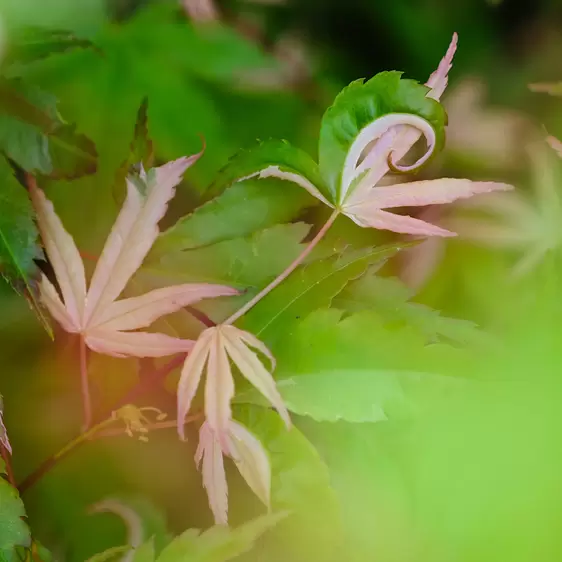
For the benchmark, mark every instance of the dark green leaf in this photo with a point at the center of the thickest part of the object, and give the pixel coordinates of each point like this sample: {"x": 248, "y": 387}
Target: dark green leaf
{"x": 34, "y": 43}
{"x": 219, "y": 543}
{"x": 270, "y": 154}
{"x": 301, "y": 485}
{"x": 33, "y": 136}
{"x": 361, "y": 103}
{"x": 310, "y": 287}
{"x": 242, "y": 209}
{"x": 72, "y": 155}
{"x": 141, "y": 151}
{"x": 22, "y": 135}
{"x": 14, "y": 532}
{"x": 18, "y": 233}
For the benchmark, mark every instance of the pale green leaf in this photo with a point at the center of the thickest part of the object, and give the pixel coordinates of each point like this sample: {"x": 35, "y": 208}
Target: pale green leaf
{"x": 33, "y": 135}
{"x": 145, "y": 552}
{"x": 246, "y": 263}
{"x": 14, "y": 532}
{"x": 390, "y": 298}
{"x": 219, "y": 543}
{"x": 301, "y": 485}
{"x": 332, "y": 368}
{"x": 242, "y": 209}
{"x": 311, "y": 287}
{"x": 111, "y": 554}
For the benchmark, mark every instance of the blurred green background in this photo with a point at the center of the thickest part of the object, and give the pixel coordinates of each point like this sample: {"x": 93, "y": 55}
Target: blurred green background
{"x": 476, "y": 479}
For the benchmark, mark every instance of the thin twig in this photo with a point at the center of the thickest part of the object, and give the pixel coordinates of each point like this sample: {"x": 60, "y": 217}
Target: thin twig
{"x": 147, "y": 384}
{"x": 99, "y": 430}
{"x": 278, "y": 280}
{"x": 117, "y": 431}
{"x": 85, "y": 386}
{"x": 52, "y": 461}
{"x": 201, "y": 316}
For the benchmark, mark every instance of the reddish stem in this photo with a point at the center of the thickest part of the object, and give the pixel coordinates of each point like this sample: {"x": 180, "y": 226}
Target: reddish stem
{"x": 85, "y": 386}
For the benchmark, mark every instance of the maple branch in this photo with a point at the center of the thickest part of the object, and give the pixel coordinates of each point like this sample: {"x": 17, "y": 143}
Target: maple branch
{"x": 201, "y": 316}
{"x": 97, "y": 431}
{"x": 85, "y": 386}
{"x": 148, "y": 383}
{"x": 280, "y": 278}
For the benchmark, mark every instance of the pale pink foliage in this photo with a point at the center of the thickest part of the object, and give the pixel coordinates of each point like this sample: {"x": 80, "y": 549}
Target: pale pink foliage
{"x": 95, "y": 313}
{"x": 366, "y": 204}
{"x": 249, "y": 456}
{"x": 375, "y": 153}
{"x": 212, "y": 354}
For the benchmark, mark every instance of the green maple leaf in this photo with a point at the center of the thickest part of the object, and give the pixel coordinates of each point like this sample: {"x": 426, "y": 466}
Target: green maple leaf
{"x": 301, "y": 485}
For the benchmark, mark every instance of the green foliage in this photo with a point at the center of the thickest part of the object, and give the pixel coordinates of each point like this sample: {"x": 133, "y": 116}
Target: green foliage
{"x": 141, "y": 150}
{"x": 109, "y": 554}
{"x": 396, "y": 448}
{"x": 18, "y": 241}
{"x": 391, "y": 300}
{"x": 31, "y": 44}
{"x": 14, "y": 532}
{"x": 332, "y": 368}
{"x": 271, "y": 153}
{"x": 218, "y": 544}
{"x": 200, "y": 88}
{"x": 357, "y": 106}
{"x": 300, "y": 485}
{"x": 246, "y": 263}
{"x": 34, "y": 136}
{"x": 311, "y": 287}
{"x": 360, "y": 104}
{"x": 18, "y": 233}
{"x": 242, "y": 209}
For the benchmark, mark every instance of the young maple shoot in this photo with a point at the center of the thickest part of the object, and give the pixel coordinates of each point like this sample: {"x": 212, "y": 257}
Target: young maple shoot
{"x": 369, "y": 128}
{"x": 103, "y": 322}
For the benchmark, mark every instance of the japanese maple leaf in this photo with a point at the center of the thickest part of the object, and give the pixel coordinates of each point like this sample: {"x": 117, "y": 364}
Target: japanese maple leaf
{"x": 216, "y": 347}
{"x": 95, "y": 313}
{"x": 395, "y": 135}
{"x": 384, "y": 142}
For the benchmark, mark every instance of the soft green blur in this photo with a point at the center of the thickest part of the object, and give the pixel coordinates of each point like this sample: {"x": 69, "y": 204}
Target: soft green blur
{"x": 476, "y": 476}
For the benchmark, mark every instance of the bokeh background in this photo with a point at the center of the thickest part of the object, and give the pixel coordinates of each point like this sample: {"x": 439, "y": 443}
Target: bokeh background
{"x": 479, "y": 477}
